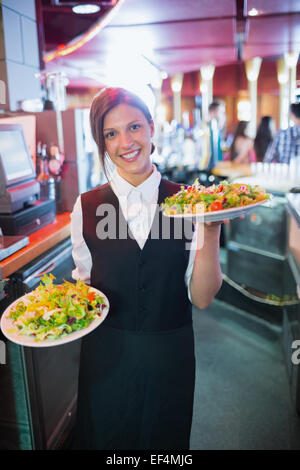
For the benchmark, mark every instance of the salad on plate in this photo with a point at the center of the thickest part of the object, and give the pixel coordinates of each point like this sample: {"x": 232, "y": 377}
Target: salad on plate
{"x": 54, "y": 311}
{"x": 197, "y": 199}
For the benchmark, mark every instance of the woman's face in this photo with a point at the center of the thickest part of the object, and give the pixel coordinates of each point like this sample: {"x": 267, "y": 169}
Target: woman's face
{"x": 272, "y": 127}
{"x": 247, "y": 131}
{"x": 127, "y": 135}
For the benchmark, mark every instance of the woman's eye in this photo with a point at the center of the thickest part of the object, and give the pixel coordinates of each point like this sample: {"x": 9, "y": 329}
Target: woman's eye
{"x": 135, "y": 127}
{"x": 109, "y": 134}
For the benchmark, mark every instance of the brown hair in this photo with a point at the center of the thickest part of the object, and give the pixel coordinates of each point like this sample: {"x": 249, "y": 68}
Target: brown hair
{"x": 295, "y": 109}
{"x": 215, "y": 104}
{"x": 240, "y": 132}
{"x": 102, "y": 103}
{"x": 264, "y": 137}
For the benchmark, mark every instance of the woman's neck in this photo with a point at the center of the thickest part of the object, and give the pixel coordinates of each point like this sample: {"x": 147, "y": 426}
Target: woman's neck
{"x": 136, "y": 179}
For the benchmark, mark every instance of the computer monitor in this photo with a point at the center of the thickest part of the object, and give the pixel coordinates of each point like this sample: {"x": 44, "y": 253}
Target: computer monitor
{"x": 16, "y": 166}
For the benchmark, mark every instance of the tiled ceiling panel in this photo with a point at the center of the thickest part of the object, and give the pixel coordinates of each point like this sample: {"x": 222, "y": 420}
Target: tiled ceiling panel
{"x": 275, "y": 30}
{"x": 273, "y": 36}
{"x": 182, "y": 35}
{"x": 192, "y": 60}
{"x": 274, "y": 6}
{"x": 173, "y": 47}
{"x": 157, "y": 11}
{"x": 169, "y": 36}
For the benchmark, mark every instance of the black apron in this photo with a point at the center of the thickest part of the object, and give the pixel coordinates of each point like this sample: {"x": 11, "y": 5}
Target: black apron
{"x": 137, "y": 369}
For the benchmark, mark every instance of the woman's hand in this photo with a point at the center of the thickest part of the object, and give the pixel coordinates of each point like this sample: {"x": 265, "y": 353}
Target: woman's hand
{"x": 212, "y": 227}
{"x": 217, "y": 224}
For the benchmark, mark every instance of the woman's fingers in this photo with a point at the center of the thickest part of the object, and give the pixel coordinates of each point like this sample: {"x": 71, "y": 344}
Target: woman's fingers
{"x": 226, "y": 221}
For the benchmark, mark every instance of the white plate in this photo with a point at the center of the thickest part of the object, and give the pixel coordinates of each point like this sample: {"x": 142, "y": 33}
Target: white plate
{"x": 7, "y": 323}
{"x": 217, "y": 216}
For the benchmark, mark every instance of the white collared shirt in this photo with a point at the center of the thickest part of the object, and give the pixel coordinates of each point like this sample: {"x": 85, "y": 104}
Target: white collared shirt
{"x": 138, "y": 205}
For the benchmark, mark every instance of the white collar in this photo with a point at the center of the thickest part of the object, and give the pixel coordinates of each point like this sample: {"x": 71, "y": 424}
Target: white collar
{"x": 147, "y": 188}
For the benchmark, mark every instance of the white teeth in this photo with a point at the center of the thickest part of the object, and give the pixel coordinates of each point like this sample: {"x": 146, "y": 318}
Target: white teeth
{"x": 131, "y": 155}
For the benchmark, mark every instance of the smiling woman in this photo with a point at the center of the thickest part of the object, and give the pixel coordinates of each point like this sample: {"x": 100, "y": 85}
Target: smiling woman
{"x": 127, "y": 135}
{"x": 137, "y": 371}
{"x": 122, "y": 127}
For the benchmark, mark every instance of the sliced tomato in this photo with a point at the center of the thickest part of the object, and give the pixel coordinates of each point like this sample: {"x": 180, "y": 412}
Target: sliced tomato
{"x": 216, "y": 206}
{"x": 91, "y": 296}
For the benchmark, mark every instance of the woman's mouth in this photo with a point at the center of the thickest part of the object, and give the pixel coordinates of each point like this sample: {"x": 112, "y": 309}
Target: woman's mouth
{"x": 131, "y": 157}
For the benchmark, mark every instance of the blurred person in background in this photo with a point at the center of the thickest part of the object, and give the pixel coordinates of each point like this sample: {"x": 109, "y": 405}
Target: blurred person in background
{"x": 264, "y": 136}
{"x": 217, "y": 124}
{"x": 241, "y": 149}
{"x": 286, "y": 144}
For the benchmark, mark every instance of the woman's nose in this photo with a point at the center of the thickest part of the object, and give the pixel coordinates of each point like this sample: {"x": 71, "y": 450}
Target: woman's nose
{"x": 126, "y": 140}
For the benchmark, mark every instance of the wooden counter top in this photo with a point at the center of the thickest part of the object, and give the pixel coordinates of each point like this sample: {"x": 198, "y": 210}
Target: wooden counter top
{"x": 39, "y": 242}
{"x": 232, "y": 170}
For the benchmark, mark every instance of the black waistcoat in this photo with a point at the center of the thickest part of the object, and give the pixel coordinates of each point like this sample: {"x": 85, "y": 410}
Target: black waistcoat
{"x": 145, "y": 288}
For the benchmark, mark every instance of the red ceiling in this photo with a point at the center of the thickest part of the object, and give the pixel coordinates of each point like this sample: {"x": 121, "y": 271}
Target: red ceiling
{"x": 157, "y": 11}
{"x": 274, "y": 6}
{"x": 185, "y": 34}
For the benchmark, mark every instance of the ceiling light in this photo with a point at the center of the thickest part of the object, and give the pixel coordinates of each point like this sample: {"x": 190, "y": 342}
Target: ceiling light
{"x": 176, "y": 82}
{"x": 253, "y": 12}
{"x": 86, "y": 9}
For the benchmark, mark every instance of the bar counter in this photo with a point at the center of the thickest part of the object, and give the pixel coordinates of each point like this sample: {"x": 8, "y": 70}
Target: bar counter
{"x": 291, "y": 319}
{"x": 293, "y": 208}
{"x": 293, "y": 204}
{"x": 37, "y": 399}
{"x": 39, "y": 242}
{"x": 232, "y": 170}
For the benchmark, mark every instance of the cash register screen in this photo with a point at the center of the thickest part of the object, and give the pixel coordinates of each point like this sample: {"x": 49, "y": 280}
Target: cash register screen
{"x": 15, "y": 157}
